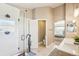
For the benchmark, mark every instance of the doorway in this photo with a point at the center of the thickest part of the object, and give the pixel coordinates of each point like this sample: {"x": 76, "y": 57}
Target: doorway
{"x": 41, "y": 33}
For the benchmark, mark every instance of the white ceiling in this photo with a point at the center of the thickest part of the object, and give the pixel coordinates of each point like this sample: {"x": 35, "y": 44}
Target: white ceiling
{"x": 35, "y": 5}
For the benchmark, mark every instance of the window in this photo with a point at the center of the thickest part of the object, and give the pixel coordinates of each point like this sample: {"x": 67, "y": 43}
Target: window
{"x": 7, "y": 22}
{"x": 7, "y": 26}
{"x": 59, "y": 28}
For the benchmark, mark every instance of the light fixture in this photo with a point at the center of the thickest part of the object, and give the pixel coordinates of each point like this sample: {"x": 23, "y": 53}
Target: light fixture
{"x": 76, "y": 11}
{"x": 74, "y": 21}
{"x": 7, "y": 15}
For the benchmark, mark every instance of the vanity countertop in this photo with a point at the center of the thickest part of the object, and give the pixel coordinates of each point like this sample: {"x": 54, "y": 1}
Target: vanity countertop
{"x": 67, "y": 45}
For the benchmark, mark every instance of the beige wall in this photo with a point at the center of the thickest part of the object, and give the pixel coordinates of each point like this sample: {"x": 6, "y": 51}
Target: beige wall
{"x": 59, "y": 13}
{"x": 70, "y": 17}
{"x": 77, "y": 19}
{"x": 46, "y": 13}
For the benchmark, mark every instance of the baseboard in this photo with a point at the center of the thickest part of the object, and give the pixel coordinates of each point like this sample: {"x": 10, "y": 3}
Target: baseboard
{"x": 49, "y": 45}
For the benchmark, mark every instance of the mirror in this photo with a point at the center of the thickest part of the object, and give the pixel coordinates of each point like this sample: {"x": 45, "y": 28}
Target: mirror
{"x": 71, "y": 26}
{"x": 59, "y": 29}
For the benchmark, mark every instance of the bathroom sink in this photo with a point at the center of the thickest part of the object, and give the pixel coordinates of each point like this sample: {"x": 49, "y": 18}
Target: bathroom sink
{"x": 69, "y": 47}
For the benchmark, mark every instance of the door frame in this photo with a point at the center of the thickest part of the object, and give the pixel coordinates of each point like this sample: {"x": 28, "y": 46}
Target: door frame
{"x": 46, "y": 30}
